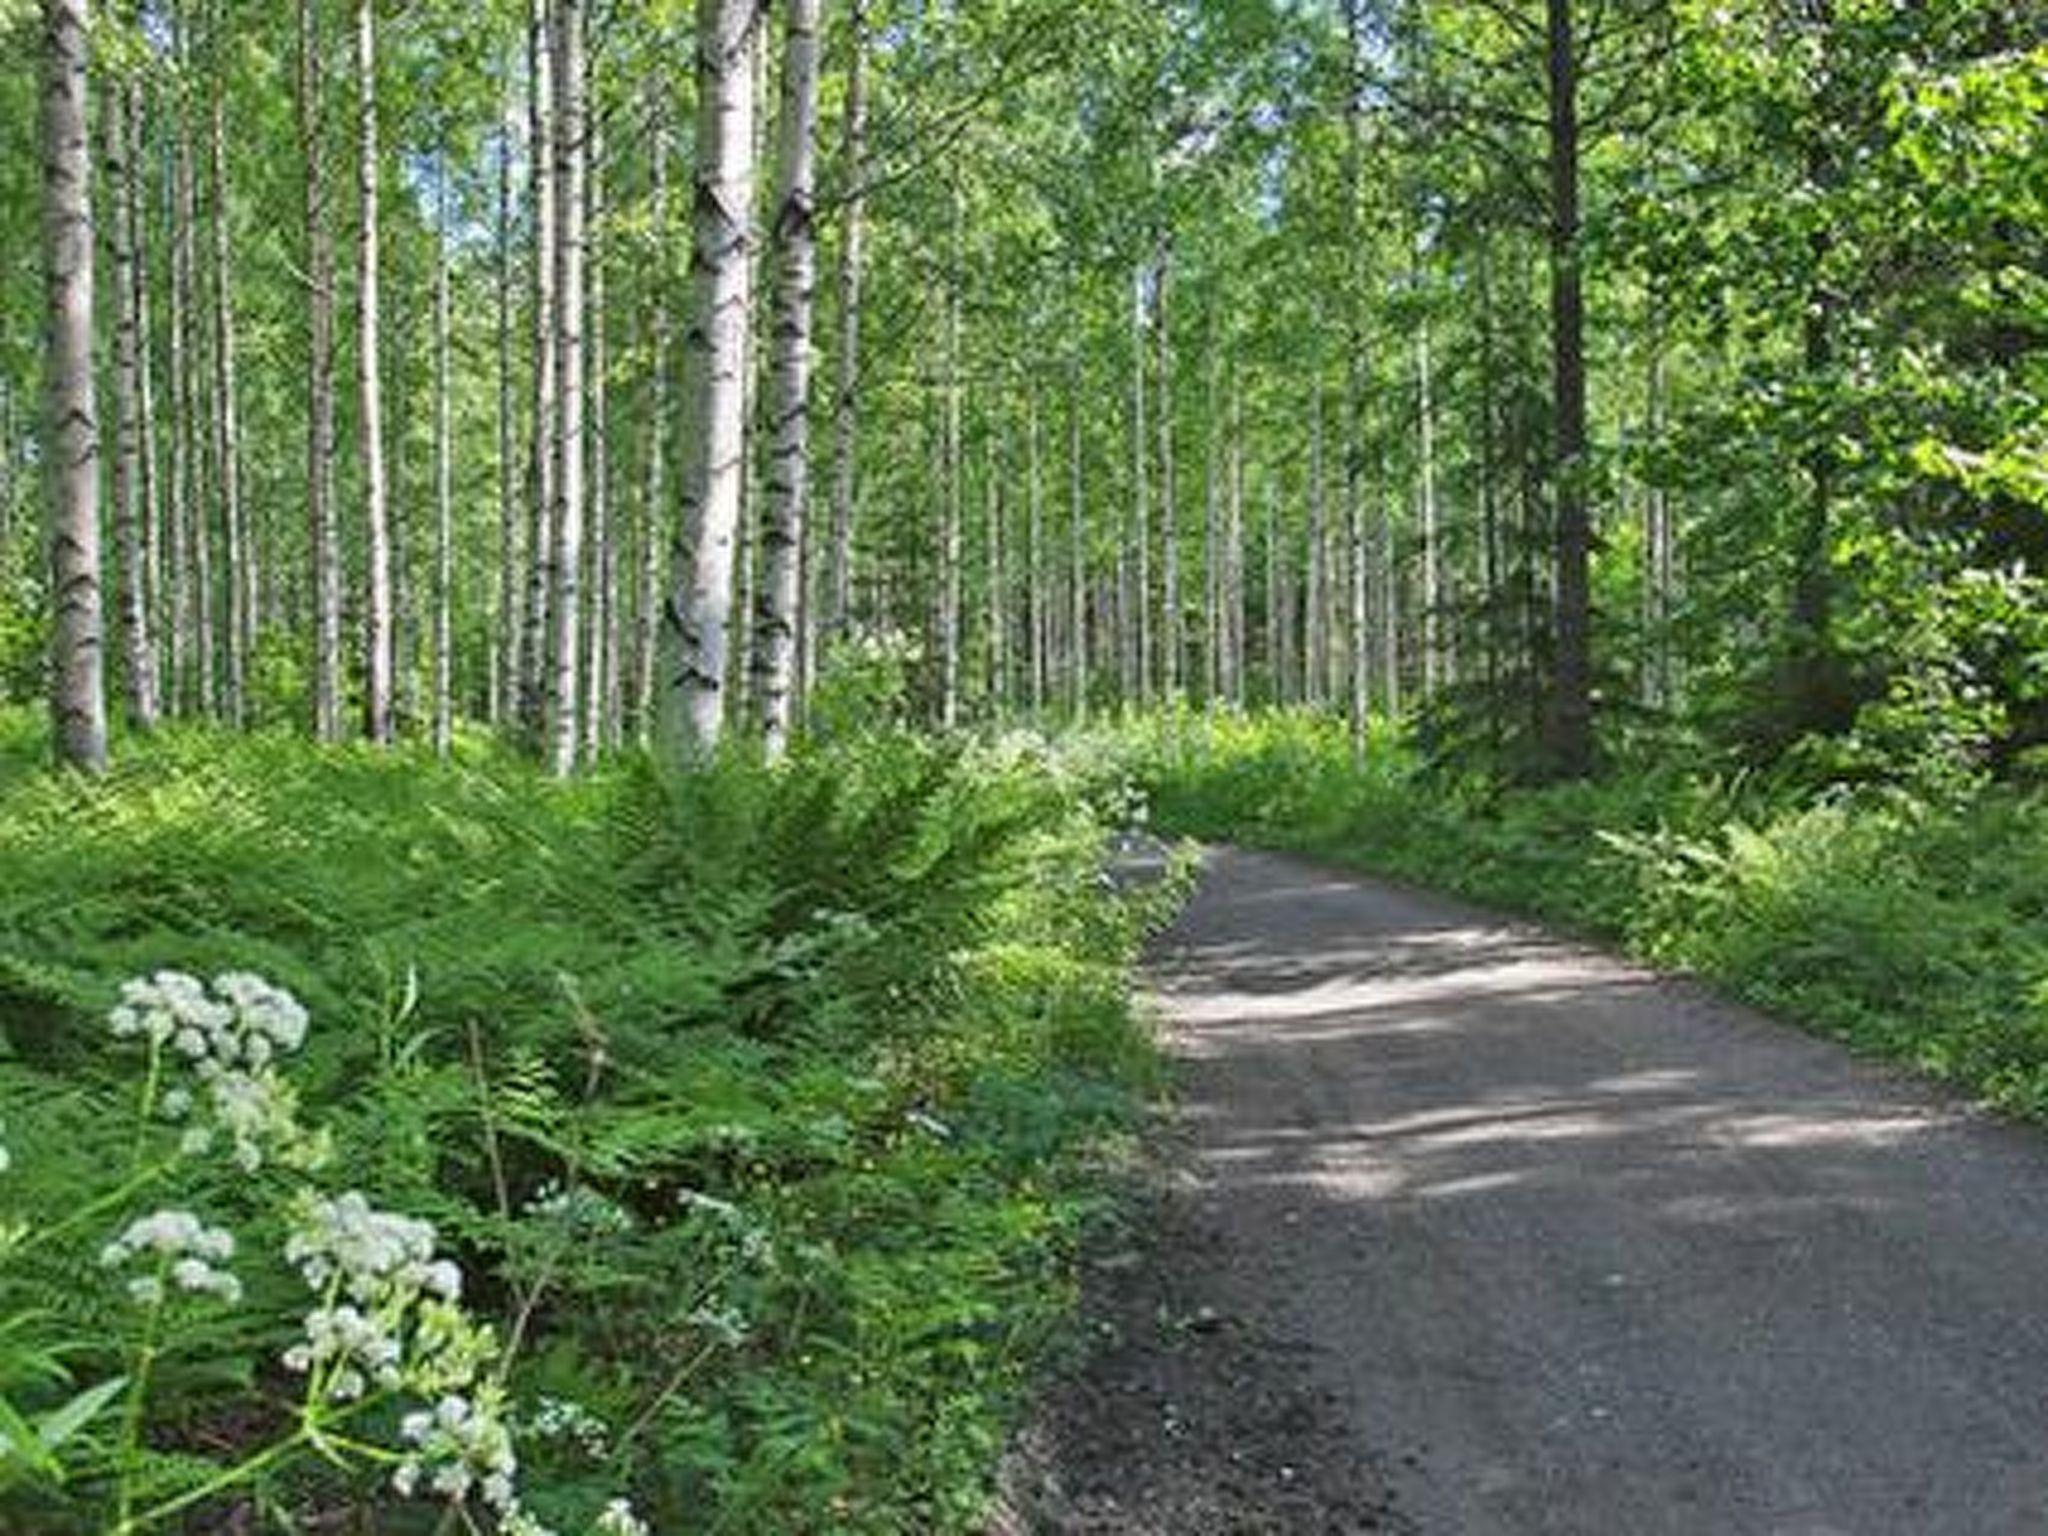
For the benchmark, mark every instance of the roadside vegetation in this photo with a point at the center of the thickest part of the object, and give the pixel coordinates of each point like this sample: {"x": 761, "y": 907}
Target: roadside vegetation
{"x": 759, "y": 1111}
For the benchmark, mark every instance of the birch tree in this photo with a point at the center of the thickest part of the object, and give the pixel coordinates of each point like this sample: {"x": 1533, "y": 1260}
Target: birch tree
{"x": 846, "y": 389}
{"x": 380, "y": 661}
{"x": 138, "y": 653}
{"x": 569, "y": 490}
{"x": 794, "y": 257}
{"x": 323, "y": 526}
{"x": 71, "y": 443}
{"x": 698, "y": 612}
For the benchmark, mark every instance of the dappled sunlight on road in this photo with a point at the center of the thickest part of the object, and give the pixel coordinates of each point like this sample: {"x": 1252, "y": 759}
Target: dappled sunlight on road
{"x": 1591, "y": 1252}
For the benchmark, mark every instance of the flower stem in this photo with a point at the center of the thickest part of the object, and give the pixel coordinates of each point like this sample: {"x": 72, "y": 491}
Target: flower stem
{"x": 138, "y": 1395}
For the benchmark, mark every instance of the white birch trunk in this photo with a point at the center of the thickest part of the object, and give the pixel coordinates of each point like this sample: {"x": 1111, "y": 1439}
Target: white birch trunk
{"x": 132, "y": 588}
{"x": 1315, "y": 604}
{"x": 1171, "y": 638}
{"x": 380, "y": 661}
{"x": 1035, "y": 555}
{"x": 793, "y": 254}
{"x": 1077, "y": 531}
{"x": 540, "y": 474}
{"x": 71, "y": 443}
{"x": 697, "y": 620}
{"x": 323, "y": 532}
{"x": 509, "y": 646}
{"x": 655, "y": 492}
{"x": 444, "y": 495}
{"x": 565, "y": 613}
{"x": 951, "y": 518}
{"x": 846, "y": 393}
{"x": 227, "y": 439}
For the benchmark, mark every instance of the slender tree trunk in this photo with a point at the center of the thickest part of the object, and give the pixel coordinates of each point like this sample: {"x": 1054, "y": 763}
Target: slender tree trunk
{"x": 380, "y": 657}
{"x": 1390, "y": 600}
{"x": 199, "y": 529}
{"x": 227, "y": 438}
{"x": 320, "y": 404}
{"x": 1571, "y": 723}
{"x": 540, "y": 535}
{"x": 952, "y": 525}
{"x": 1316, "y": 581}
{"x": 1661, "y": 539}
{"x": 602, "y": 727}
{"x": 1214, "y": 627}
{"x": 655, "y": 509}
{"x": 510, "y": 629}
{"x": 444, "y": 489}
{"x": 1358, "y": 654}
{"x": 179, "y": 515}
{"x": 1077, "y": 533}
{"x": 565, "y": 614}
{"x": 132, "y": 590}
{"x": 1035, "y": 556}
{"x": 1172, "y": 640}
{"x": 1432, "y": 552}
{"x": 1138, "y": 614}
{"x": 153, "y": 539}
{"x": 794, "y": 256}
{"x": 1277, "y": 667}
{"x": 1492, "y": 542}
{"x": 993, "y": 554}
{"x": 71, "y": 443}
{"x": 697, "y": 619}
{"x": 846, "y": 397}
{"x": 1235, "y": 647}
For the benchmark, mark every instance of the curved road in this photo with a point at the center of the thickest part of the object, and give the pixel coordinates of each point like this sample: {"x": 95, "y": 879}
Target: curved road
{"x": 1577, "y": 1249}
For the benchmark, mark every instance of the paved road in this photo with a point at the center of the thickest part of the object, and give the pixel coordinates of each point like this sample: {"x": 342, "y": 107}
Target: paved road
{"x": 1580, "y": 1250}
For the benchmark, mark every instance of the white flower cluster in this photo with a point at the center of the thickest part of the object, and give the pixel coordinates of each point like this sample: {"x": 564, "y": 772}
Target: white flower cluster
{"x": 618, "y": 1519}
{"x": 463, "y": 1443}
{"x": 561, "y": 1418}
{"x": 230, "y": 1036}
{"x": 186, "y": 1250}
{"x": 6, "y": 1159}
{"x": 578, "y": 1209}
{"x": 376, "y": 1272}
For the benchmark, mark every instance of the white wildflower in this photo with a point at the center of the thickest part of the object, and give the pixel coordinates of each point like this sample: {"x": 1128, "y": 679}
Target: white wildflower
{"x": 618, "y": 1519}
{"x": 561, "y": 1418}
{"x": 230, "y": 1038}
{"x": 391, "y": 1317}
{"x": 463, "y": 1445}
{"x": 185, "y": 1248}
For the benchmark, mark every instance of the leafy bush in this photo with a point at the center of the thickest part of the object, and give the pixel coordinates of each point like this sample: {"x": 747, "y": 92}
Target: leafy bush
{"x": 761, "y": 1109}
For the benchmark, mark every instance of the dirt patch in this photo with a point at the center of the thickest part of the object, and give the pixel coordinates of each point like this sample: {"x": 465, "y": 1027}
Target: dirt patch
{"x": 1182, "y": 1417}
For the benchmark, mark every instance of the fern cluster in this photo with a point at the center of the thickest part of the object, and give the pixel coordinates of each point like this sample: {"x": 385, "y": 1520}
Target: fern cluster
{"x": 762, "y": 1108}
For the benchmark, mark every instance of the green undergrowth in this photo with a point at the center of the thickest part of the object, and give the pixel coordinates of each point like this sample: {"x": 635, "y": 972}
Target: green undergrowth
{"x": 774, "y": 1101}
{"x": 1911, "y": 926}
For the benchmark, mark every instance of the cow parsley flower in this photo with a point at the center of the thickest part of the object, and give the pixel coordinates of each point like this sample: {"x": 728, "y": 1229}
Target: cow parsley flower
{"x": 389, "y": 1315}
{"x": 564, "y": 1419}
{"x": 229, "y": 1038}
{"x": 186, "y": 1250}
{"x": 618, "y": 1519}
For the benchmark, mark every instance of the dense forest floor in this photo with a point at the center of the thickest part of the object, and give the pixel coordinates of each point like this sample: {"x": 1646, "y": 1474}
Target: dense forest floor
{"x": 1551, "y": 1244}
{"x": 762, "y": 1113}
